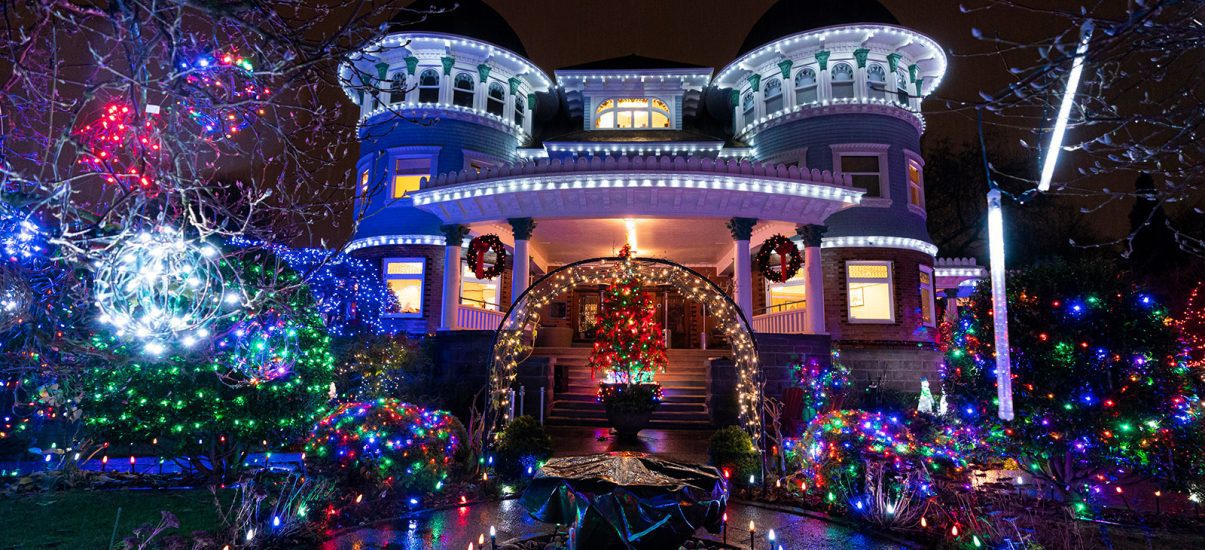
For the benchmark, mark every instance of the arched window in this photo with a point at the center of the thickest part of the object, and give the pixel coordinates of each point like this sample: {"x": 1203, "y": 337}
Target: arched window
{"x": 805, "y": 87}
{"x": 428, "y": 86}
{"x": 747, "y": 105}
{"x": 496, "y": 100}
{"x": 397, "y": 90}
{"x": 876, "y": 82}
{"x": 773, "y": 95}
{"x": 462, "y": 90}
{"x": 843, "y": 80}
{"x": 901, "y": 87}
{"x": 632, "y": 112}
{"x": 520, "y": 107}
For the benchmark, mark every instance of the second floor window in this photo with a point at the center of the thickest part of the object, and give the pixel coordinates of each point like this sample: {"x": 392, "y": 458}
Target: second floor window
{"x": 773, "y": 95}
{"x": 428, "y": 86}
{"x": 636, "y": 112}
{"x": 496, "y": 100}
{"x": 865, "y": 173}
{"x": 876, "y": 82}
{"x": 397, "y": 90}
{"x": 407, "y": 173}
{"x": 805, "y": 86}
{"x": 462, "y": 90}
{"x": 916, "y": 184}
{"x": 843, "y": 80}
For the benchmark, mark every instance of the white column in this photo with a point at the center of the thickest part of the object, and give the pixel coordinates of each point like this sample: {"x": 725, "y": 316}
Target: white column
{"x": 813, "y": 278}
{"x": 454, "y": 238}
{"x": 520, "y": 275}
{"x": 742, "y": 230}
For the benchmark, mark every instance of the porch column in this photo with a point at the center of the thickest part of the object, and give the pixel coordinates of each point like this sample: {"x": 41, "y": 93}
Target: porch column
{"x": 813, "y": 278}
{"x": 951, "y": 304}
{"x": 742, "y": 230}
{"x": 520, "y": 275}
{"x": 453, "y": 240}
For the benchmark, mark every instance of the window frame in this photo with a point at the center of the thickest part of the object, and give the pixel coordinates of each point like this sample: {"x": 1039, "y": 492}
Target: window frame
{"x": 849, "y": 317}
{"x": 911, "y": 158}
{"x": 490, "y": 100}
{"x": 458, "y": 92}
{"x": 871, "y": 92}
{"x": 814, "y": 88}
{"x": 430, "y": 154}
{"x": 614, "y": 110}
{"x": 397, "y": 88}
{"x": 931, "y": 297}
{"x": 426, "y": 88}
{"x": 420, "y": 277}
{"x": 467, "y": 276}
{"x": 767, "y": 98}
{"x": 866, "y": 150}
{"x": 520, "y": 110}
{"x": 798, "y": 280}
{"x": 853, "y": 80}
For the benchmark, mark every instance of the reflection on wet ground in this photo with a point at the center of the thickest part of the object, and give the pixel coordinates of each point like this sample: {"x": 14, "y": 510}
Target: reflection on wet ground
{"x": 456, "y": 528}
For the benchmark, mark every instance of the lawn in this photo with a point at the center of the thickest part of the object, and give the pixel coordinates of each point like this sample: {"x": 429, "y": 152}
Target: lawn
{"x": 84, "y": 519}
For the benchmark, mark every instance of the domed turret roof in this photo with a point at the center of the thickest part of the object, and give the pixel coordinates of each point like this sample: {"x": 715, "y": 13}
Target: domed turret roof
{"x": 467, "y": 18}
{"x": 787, "y": 17}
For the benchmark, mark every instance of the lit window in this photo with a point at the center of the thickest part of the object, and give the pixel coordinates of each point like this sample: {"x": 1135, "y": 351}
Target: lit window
{"x": 926, "y": 296}
{"x": 901, "y": 87}
{"x": 397, "y": 90}
{"x": 462, "y": 90}
{"x": 805, "y": 86}
{"x": 404, "y": 277}
{"x": 786, "y": 296}
{"x": 406, "y": 174}
{"x": 632, "y": 113}
{"x": 428, "y": 86}
{"x": 496, "y": 99}
{"x": 916, "y": 184}
{"x": 364, "y": 182}
{"x": 481, "y": 293}
{"x": 869, "y": 292}
{"x": 520, "y": 107}
{"x": 843, "y": 80}
{"x": 773, "y": 95}
{"x": 865, "y": 173}
{"x": 876, "y": 82}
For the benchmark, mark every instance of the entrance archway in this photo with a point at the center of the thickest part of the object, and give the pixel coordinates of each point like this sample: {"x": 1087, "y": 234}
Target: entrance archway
{"x": 515, "y": 337}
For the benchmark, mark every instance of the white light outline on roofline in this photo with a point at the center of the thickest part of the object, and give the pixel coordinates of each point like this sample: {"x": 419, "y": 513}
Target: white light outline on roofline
{"x": 627, "y": 180}
{"x": 905, "y": 243}
{"x": 391, "y": 240}
{"x": 1060, "y": 123}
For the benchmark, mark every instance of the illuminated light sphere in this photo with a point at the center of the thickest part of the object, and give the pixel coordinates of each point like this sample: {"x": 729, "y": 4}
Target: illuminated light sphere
{"x": 262, "y": 348}
{"x": 158, "y": 287}
{"x": 16, "y": 298}
{"x": 123, "y": 148}
{"x": 221, "y": 94}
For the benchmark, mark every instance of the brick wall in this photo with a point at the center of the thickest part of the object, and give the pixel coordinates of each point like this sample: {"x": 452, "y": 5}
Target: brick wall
{"x": 432, "y": 283}
{"x": 891, "y": 366}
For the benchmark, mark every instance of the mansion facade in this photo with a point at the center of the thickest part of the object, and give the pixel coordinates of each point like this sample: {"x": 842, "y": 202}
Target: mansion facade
{"x": 811, "y": 132}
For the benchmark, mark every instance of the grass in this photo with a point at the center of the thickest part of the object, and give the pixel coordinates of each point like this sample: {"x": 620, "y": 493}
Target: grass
{"x": 84, "y": 519}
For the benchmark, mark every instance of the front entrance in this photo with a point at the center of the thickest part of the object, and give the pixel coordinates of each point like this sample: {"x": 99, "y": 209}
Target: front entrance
{"x": 564, "y": 303}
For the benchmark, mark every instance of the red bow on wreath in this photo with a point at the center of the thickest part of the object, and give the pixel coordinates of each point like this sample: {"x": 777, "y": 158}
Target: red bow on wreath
{"x": 789, "y": 259}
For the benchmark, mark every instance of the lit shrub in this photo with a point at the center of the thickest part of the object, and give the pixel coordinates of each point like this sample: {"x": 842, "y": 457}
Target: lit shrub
{"x": 522, "y": 444}
{"x": 731, "y": 450}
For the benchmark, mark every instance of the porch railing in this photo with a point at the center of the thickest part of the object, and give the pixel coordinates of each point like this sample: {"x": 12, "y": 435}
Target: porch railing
{"x": 781, "y": 322}
{"x": 475, "y": 318}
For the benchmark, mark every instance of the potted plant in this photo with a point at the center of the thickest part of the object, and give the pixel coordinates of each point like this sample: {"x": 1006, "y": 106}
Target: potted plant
{"x": 629, "y": 406}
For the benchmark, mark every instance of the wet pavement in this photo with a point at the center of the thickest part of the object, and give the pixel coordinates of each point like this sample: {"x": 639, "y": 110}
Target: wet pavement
{"x": 455, "y": 528}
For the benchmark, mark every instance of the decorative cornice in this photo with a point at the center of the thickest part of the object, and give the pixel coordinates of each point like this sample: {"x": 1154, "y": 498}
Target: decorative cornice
{"x": 904, "y": 243}
{"x": 832, "y": 107}
{"x": 446, "y": 111}
{"x": 454, "y": 234}
{"x": 822, "y": 59}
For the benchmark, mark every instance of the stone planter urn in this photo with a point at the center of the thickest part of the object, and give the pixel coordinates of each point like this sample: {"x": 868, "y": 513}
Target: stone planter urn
{"x": 629, "y": 406}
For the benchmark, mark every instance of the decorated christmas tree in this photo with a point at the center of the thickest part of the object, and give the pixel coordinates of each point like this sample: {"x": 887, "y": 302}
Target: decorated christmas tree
{"x": 629, "y": 346}
{"x": 1101, "y": 389}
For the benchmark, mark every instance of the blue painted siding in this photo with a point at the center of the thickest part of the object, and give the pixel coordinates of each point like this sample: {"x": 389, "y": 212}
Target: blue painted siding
{"x": 818, "y": 133}
{"x": 452, "y": 137}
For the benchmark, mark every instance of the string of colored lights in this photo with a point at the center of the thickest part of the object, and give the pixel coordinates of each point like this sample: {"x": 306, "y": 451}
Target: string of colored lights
{"x": 123, "y": 148}
{"x": 629, "y": 345}
{"x": 221, "y": 93}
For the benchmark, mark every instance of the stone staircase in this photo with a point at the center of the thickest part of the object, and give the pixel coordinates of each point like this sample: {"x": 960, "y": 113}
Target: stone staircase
{"x": 684, "y": 388}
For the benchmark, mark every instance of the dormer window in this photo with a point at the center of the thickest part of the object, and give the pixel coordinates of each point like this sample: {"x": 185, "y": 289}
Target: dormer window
{"x": 627, "y": 113}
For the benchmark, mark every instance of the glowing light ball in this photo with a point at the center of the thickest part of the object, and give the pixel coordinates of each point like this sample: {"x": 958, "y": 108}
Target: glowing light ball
{"x": 389, "y": 441}
{"x": 123, "y": 148}
{"x": 158, "y": 287}
{"x": 259, "y": 349}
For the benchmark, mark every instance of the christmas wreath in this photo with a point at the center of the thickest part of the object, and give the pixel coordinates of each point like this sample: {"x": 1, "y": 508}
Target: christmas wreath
{"x": 478, "y": 248}
{"x": 789, "y": 259}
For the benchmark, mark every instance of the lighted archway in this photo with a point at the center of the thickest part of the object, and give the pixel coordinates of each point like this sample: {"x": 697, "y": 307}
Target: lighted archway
{"x": 514, "y": 340}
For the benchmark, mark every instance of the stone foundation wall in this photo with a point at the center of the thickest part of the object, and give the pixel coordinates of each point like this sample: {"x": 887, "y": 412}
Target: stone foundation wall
{"x": 777, "y": 352}
{"x": 895, "y": 367}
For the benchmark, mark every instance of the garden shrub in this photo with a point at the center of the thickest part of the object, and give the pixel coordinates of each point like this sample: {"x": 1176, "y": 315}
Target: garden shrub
{"x": 522, "y": 444}
{"x": 731, "y": 449}
{"x": 387, "y": 442}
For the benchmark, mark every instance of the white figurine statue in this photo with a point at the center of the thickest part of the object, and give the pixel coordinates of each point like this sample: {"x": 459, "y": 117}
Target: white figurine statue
{"x": 926, "y": 397}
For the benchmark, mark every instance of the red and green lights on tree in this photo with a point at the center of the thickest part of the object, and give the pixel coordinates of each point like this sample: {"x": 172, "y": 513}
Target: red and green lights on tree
{"x": 629, "y": 345}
